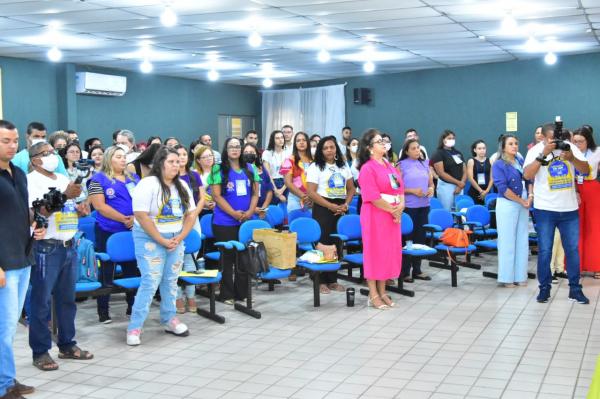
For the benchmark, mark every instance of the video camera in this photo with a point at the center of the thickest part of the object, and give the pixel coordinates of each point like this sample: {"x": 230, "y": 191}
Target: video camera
{"x": 84, "y": 168}
{"x": 560, "y": 135}
{"x": 52, "y": 201}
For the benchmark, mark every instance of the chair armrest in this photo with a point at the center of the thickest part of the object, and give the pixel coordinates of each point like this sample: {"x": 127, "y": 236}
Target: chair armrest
{"x": 432, "y": 227}
{"x": 237, "y": 245}
{"x": 473, "y": 224}
{"x": 342, "y": 237}
{"x": 103, "y": 257}
{"x": 459, "y": 213}
{"x": 202, "y": 236}
{"x": 223, "y": 245}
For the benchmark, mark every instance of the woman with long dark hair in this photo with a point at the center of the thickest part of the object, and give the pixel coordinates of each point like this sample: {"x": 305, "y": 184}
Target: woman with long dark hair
{"x": 164, "y": 215}
{"x": 273, "y": 158}
{"x": 331, "y": 188}
{"x": 389, "y": 150}
{"x": 449, "y": 165}
{"x": 250, "y": 155}
{"x": 294, "y": 173}
{"x": 204, "y": 160}
{"x": 110, "y": 194}
{"x": 418, "y": 189}
{"x": 479, "y": 170}
{"x": 96, "y": 153}
{"x": 142, "y": 165}
{"x": 234, "y": 186}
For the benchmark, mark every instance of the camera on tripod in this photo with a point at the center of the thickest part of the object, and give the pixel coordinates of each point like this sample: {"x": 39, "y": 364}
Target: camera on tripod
{"x": 84, "y": 168}
{"x": 561, "y": 135}
{"x": 52, "y": 201}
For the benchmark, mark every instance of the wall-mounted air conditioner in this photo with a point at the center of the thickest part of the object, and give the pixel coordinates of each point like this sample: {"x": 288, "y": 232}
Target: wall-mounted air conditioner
{"x": 100, "y": 84}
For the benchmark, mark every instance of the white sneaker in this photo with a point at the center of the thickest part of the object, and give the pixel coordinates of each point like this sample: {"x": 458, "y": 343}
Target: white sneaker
{"x": 177, "y": 328}
{"x": 133, "y": 337}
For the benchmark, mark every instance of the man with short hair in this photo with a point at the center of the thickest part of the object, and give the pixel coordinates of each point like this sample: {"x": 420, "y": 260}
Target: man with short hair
{"x": 54, "y": 273}
{"x": 411, "y": 134}
{"x": 288, "y": 137}
{"x": 555, "y": 206}
{"x": 36, "y": 133}
{"x": 346, "y": 138}
{"x": 126, "y": 140}
{"x": 15, "y": 263}
{"x": 251, "y": 137}
{"x": 206, "y": 140}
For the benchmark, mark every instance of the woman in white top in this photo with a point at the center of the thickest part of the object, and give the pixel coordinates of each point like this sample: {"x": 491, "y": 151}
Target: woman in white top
{"x": 331, "y": 188}
{"x": 204, "y": 159}
{"x": 273, "y": 157}
{"x": 163, "y": 207}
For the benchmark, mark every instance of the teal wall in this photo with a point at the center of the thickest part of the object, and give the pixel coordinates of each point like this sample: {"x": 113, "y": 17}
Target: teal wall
{"x": 473, "y": 100}
{"x": 153, "y": 105}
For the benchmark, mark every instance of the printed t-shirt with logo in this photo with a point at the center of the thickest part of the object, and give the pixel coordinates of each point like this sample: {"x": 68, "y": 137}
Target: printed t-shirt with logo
{"x": 237, "y": 193}
{"x": 554, "y": 185}
{"x": 167, "y": 216}
{"x": 117, "y": 195}
{"x": 61, "y": 225}
{"x": 331, "y": 181}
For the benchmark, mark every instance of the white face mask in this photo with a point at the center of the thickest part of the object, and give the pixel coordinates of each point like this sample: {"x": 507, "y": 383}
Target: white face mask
{"x": 387, "y": 146}
{"x": 37, "y": 141}
{"x": 353, "y": 148}
{"x": 313, "y": 151}
{"x": 123, "y": 147}
{"x": 449, "y": 143}
{"x": 50, "y": 163}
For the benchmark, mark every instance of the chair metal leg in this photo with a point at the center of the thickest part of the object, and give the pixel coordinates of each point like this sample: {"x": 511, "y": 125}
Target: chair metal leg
{"x": 247, "y": 309}
{"x": 316, "y": 290}
{"x": 453, "y": 270}
{"x": 212, "y": 315}
{"x": 271, "y": 285}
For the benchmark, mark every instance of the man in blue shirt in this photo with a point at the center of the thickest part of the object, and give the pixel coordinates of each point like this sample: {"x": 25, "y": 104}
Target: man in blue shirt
{"x": 36, "y": 133}
{"x": 14, "y": 260}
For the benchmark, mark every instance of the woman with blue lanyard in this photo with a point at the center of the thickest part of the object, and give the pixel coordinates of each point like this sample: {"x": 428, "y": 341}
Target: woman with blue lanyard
{"x": 250, "y": 157}
{"x": 273, "y": 157}
{"x": 479, "y": 169}
{"x": 164, "y": 215}
{"x": 109, "y": 192}
{"x": 234, "y": 186}
{"x": 294, "y": 172}
{"x": 512, "y": 214}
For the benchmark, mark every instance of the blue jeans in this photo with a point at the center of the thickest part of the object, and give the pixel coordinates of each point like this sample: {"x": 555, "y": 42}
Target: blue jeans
{"x": 568, "y": 225}
{"x": 159, "y": 269}
{"x": 189, "y": 291}
{"x": 513, "y": 241}
{"x": 12, "y": 297}
{"x": 54, "y": 275}
{"x": 445, "y": 193}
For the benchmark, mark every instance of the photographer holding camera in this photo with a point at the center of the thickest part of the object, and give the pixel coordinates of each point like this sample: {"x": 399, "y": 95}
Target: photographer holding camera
{"x": 551, "y": 163}
{"x": 15, "y": 242}
{"x": 55, "y": 273}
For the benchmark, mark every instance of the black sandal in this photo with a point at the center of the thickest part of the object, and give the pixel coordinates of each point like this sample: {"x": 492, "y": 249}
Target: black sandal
{"x": 72, "y": 353}
{"x": 45, "y": 363}
{"x": 422, "y": 276}
{"x": 408, "y": 279}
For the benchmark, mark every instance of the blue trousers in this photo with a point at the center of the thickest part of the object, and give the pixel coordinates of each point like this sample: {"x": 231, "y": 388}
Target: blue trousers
{"x": 513, "y": 241}
{"x": 12, "y": 297}
{"x": 54, "y": 275}
{"x": 445, "y": 193}
{"x": 568, "y": 226}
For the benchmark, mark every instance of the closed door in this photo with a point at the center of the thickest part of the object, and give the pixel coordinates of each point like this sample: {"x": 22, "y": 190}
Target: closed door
{"x": 234, "y": 126}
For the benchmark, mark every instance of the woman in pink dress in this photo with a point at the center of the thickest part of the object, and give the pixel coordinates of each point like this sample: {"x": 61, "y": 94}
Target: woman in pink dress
{"x": 383, "y": 201}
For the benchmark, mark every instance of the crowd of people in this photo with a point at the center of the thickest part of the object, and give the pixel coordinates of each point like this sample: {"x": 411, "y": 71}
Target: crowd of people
{"x": 159, "y": 189}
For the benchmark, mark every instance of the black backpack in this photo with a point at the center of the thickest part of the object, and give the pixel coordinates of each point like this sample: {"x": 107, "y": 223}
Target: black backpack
{"x": 253, "y": 260}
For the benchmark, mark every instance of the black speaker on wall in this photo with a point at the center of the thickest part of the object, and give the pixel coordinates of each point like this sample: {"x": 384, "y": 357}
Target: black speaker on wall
{"x": 362, "y": 96}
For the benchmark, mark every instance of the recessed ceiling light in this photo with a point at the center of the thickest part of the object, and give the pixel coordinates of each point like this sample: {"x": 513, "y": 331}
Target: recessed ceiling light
{"x": 146, "y": 66}
{"x": 267, "y": 82}
{"x": 509, "y": 23}
{"x": 255, "y": 39}
{"x": 481, "y": 37}
{"x": 213, "y": 75}
{"x": 369, "y": 67}
{"x": 532, "y": 44}
{"x": 550, "y": 58}
{"x": 54, "y": 54}
{"x": 324, "y": 56}
{"x": 168, "y": 17}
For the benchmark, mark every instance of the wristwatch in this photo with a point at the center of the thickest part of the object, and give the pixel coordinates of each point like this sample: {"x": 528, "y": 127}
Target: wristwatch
{"x": 541, "y": 159}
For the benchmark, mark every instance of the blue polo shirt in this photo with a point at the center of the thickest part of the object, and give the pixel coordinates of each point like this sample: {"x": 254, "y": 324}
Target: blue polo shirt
{"x": 237, "y": 192}
{"x": 117, "y": 195}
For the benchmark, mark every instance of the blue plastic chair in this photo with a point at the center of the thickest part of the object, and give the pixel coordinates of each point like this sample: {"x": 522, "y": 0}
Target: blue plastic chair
{"x": 489, "y": 198}
{"x": 87, "y": 225}
{"x": 308, "y": 231}
{"x": 207, "y": 234}
{"x": 439, "y": 220}
{"x": 120, "y": 248}
{"x": 407, "y": 226}
{"x": 349, "y": 234}
{"x": 435, "y": 203}
{"x": 299, "y": 213}
{"x": 193, "y": 243}
{"x": 275, "y": 216}
{"x": 464, "y": 200}
{"x": 479, "y": 217}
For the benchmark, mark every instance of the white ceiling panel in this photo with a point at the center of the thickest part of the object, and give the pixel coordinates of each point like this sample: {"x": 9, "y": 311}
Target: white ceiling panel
{"x": 398, "y": 35}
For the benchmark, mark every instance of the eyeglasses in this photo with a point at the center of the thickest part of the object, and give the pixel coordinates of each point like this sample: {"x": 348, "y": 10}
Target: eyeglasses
{"x": 380, "y": 141}
{"x": 386, "y": 141}
{"x": 206, "y": 157}
{"x": 234, "y": 147}
{"x": 43, "y": 154}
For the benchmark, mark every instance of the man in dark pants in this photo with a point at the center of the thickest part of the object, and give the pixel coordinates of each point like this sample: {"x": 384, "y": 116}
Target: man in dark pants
{"x": 14, "y": 263}
{"x": 55, "y": 272}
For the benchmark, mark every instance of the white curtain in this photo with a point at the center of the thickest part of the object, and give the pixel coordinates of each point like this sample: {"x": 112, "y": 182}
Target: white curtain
{"x": 320, "y": 110}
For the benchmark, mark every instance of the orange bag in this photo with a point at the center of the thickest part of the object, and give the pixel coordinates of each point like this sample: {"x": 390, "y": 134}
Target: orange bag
{"x": 454, "y": 237}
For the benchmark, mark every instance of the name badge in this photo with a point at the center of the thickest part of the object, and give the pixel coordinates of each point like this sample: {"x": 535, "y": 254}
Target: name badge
{"x": 580, "y": 179}
{"x": 457, "y": 159}
{"x": 481, "y": 178}
{"x": 240, "y": 188}
{"x": 394, "y": 181}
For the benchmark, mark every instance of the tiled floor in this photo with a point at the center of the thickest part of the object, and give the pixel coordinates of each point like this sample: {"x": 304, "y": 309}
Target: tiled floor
{"x": 474, "y": 341}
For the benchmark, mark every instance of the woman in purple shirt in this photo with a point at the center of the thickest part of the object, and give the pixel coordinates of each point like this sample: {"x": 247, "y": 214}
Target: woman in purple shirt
{"x": 418, "y": 189}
